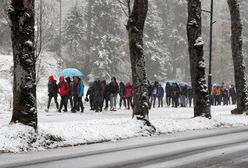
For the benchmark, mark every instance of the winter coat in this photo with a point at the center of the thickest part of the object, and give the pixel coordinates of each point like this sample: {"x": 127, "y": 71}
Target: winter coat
{"x": 63, "y": 86}
{"x": 232, "y": 92}
{"x": 113, "y": 88}
{"x": 78, "y": 88}
{"x": 128, "y": 90}
{"x": 52, "y": 87}
{"x": 122, "y": 89}
{"x": 98, "y": 91}
{"x": 184, "y": 90}
{"x": 160, "y": 91}
{"x": 168, "y": 89}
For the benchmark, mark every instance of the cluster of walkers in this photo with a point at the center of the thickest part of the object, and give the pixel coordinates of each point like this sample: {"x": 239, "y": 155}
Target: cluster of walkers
{"x": 177, "y": 94}
{"x": 69, "y": 90}
{"x": 223, "y": 94}
{"x": 98, "y": 93}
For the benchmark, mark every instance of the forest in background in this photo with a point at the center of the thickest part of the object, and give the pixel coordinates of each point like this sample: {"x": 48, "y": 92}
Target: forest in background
{"x": 94, "y": 38}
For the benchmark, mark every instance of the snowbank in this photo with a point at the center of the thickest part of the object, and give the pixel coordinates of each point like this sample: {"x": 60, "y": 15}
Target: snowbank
{"x": 67, "y": 129}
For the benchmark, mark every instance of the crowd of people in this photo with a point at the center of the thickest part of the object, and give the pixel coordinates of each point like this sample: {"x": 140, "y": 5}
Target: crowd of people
{"x": 100, "y": 94}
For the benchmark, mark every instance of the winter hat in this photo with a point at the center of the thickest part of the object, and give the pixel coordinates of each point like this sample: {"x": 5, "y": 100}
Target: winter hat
{"x": 51, "y": 78}
{"x": 61, "y": 78}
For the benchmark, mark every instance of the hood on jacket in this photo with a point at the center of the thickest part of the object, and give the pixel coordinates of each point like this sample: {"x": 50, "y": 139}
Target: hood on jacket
{"x": 51, "y": 78}
{"x": 128, "y": 84}
{"x": 61, "y": 78}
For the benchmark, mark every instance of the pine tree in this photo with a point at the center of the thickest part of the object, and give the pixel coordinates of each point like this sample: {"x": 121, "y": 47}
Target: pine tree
{"x": 197, "y": 65}
{"x": 21, "y": 14}
{"x": 155, "y": 50}
{"x": 238, "y": 60}
{"x": 73, "y": 30}
{"x": 107, "y": 38}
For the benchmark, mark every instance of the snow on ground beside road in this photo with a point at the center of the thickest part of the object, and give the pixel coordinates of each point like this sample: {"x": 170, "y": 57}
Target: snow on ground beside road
{"x": 65, "y": 129}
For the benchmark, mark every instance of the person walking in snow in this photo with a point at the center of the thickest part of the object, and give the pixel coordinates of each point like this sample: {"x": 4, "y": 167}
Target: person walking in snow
{"x": 122, "y": 94}
{"x": 176, "y": 94}
{"x": 232, "y": 93}
{"x": 78, "y": 93}
{"x": 106, "y": 94}
{"x": 160, "y": 95}
{"x": 69, "y": 97}
{"x": 90, "y": 93}
{"x": 129, "y": 94}
{"x": 52, "y": 92}
{"x": 98, "y": 95}
{"x": 64, "y": 90}
{"x": 154, "y": 93}
{"x": 113, "y": 89}
{"x": 168, "y": 90}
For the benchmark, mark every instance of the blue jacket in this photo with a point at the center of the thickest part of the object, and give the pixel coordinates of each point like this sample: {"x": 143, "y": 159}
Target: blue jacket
{"x": 160, "y": 91}
{"x": 80, "y": 88}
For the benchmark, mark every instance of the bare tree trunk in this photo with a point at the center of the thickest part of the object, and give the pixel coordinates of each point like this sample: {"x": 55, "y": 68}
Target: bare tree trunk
{"x": 21, "y": 14}
{"x": 197, "y": 65}
{"x": 238, "y": 59}
{"x": 135, "y": 27}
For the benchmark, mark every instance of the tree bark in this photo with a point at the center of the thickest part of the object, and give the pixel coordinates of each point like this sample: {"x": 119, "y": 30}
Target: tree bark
{"x": 197, "y": 65}
{"x": 135, "y": 27}
{"x": 238, "y": 59}
{"x": 21, "y": 14}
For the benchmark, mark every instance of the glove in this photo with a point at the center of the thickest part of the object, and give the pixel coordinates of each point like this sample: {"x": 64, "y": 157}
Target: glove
{"x": 86, "y": 99}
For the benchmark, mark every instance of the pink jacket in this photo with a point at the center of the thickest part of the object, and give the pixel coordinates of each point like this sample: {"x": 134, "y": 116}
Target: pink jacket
{"x": 128, "y": 90}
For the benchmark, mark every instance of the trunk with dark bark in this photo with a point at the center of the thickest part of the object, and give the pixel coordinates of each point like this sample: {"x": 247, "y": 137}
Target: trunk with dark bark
{"x": 238, "y": 59}
{"x": 21, "y": 14}
{"x": 197, "y": 65}
{"x": 135, "y": 27}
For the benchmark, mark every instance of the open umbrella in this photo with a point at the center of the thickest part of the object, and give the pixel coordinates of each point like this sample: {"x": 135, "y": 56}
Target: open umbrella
{"x": 70, "y": 72}
{"x": 171, "y": 82}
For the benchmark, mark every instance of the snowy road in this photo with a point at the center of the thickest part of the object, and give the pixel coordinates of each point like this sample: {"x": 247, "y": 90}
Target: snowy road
{"x": 205, "y": 148}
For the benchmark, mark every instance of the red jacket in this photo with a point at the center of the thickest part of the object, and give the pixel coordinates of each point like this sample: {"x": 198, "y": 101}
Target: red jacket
{"x": 64, "y": 88}
{"x": 128, "y": 90}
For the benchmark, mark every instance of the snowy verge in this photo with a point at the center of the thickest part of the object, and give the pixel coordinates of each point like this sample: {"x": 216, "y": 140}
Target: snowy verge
{"x": 66, "y": 129}
{"x": 20, "y": 138}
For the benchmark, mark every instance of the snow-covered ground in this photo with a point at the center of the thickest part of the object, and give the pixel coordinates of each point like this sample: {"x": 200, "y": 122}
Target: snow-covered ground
{"x": 66, "y": 129}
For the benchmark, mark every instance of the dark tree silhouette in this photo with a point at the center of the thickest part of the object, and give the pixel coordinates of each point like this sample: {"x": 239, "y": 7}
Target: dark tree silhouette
{"x": 197, "y": 65}
{"x": 21, "y": 14}
{"x": 238, "y": 59}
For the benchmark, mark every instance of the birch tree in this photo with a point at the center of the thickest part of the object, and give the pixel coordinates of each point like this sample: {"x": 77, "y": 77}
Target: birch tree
{"x": 238, "y": 59}
{"x": 21, "y": 14}
{"x": 197, "y": 65}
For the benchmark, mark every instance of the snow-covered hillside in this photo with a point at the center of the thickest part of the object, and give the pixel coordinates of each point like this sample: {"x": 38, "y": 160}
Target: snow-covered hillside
{"x": 46, "y": 65}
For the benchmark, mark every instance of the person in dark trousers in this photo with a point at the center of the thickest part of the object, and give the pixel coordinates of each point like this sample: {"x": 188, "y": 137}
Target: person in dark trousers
{"x": 190, "y": 96}
{"x": 98, "y": 95}
{"x": 106, "y": 94}
{"x": 233, "y": 95}
{"x": 52, "y": 92}
{"x": 225, "y": 96}
{"x": 150, "y": 89}
{"x": 113, "y": 89}
{"x": 122, "y": 94}
{"x": 69, "y": 98}
{"x": 154, "y": 93}
{"x": 78, "y": 93}
{"x": 90, "y": 93}
{"x": 168, "y": 90}
{"x": 160, "y": 96}
{"x": 183, "y": 95}
{"x": 176, "y": 94}
{"x": 64, "y": 89}
{"x": 129, "y": 94}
